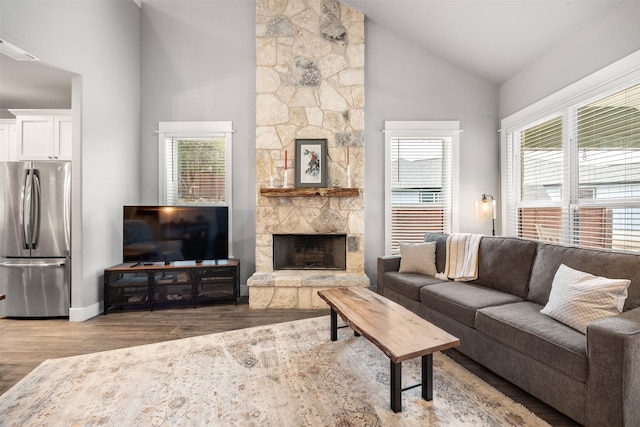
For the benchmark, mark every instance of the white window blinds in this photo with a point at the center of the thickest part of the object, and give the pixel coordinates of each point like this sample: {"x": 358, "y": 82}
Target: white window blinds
{"x": 576, "y": 175}
{"x": 195, "y": 163}
{"x": 196, "y": 170}
{"x": 419, "y": 183}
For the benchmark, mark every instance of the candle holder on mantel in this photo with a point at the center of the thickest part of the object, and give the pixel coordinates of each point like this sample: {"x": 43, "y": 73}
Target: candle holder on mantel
{"x": 285, "y": 179}
{"x": 348, "y": 158}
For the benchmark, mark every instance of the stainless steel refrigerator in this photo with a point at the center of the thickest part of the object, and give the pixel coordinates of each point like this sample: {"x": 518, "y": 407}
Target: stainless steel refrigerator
{"x": 35, "y": 238}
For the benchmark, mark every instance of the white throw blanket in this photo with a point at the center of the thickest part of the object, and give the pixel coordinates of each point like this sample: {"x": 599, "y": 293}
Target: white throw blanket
{"x": 462, "y": 257}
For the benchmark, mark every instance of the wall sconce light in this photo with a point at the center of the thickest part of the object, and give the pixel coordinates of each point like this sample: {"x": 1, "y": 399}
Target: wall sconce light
{"x": 486, "y": 209}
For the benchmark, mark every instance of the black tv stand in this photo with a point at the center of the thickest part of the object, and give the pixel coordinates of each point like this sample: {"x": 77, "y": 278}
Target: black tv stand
{"x": 156, "y": 284}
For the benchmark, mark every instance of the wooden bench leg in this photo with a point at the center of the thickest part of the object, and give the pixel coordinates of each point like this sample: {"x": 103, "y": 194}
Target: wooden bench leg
{"x": 334, "y": 325}
{"x": 396, "y": 386}
{"x": 427, "y": 377}
{"x": 396, "y": 382}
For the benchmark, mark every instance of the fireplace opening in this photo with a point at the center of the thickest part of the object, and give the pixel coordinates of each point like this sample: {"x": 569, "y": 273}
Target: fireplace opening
{"x": 309, "y": 251}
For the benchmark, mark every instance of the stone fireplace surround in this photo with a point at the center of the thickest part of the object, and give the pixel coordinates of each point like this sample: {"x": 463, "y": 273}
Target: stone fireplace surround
{"x": 309, "y": 84}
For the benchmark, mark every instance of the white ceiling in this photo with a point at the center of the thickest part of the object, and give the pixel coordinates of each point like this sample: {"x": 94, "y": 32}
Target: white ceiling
{"x": 494, "y": 39}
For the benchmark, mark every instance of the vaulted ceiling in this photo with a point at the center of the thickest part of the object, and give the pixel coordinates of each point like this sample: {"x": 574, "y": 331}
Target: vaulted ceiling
{"x": 494, "y": 39}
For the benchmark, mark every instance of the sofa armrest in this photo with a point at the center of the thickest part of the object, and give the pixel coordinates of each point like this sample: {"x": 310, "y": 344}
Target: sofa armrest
{"x": 386, "y": 263}
{"x": 613, "y": 383}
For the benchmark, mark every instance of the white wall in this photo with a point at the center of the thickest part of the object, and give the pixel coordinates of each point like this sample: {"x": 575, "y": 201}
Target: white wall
{"x": 612, "y": 37}
{"x": 198, "y": 64}
{"x": 99, "y": 41}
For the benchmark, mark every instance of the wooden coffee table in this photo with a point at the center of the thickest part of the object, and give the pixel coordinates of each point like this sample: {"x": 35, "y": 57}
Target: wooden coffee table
{"x": 398, "y": 332}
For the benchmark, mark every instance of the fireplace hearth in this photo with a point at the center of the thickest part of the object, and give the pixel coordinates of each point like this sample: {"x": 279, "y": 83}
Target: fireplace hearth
{"x": 309, "y": 251}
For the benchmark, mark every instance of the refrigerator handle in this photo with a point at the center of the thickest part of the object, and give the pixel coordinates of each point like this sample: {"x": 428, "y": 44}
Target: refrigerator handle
{"x": 35, "y": 239}
{"x": 25, "y": 210}
{"x": 10, "y": 264}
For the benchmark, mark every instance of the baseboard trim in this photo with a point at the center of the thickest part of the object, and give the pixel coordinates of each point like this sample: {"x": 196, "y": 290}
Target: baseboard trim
{"x": 85, "y": 313}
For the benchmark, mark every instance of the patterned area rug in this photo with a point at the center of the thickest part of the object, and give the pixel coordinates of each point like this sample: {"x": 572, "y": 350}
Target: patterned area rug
{"x": 287, "y": 374}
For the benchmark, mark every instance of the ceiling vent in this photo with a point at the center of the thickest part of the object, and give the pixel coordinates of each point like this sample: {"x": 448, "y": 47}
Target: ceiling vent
{"x": 15, "y": 52}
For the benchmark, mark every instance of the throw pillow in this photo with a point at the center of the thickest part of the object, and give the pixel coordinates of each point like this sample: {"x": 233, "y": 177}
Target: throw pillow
{"x": 578, "y": 298}
{"x": 418, "y": 258}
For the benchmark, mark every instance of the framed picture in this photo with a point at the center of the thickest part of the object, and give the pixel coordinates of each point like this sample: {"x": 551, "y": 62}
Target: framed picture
{"x": 311, "y": 163}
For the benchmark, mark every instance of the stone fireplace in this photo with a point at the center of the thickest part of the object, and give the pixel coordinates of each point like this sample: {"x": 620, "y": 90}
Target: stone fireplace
{"x": 309, "y": 85}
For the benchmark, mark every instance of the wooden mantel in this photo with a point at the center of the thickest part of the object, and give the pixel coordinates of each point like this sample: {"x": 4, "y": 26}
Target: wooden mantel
{"x": 310, "y": 192}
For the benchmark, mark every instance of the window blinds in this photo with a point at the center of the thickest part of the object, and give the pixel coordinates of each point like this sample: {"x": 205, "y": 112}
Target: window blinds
{"x": 195, "y": 170}
{"x": 420, "y": 176}
{"x": 575, "y": 176}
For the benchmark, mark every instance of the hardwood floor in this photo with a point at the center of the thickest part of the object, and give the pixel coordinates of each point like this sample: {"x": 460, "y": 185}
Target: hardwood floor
{"x": 25, "y": 343}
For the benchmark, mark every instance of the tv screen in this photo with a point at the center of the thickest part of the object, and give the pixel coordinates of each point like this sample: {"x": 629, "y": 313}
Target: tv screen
{"x": 175, "y": 233}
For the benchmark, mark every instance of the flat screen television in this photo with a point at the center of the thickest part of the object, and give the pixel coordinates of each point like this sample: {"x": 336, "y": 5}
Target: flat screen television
{"x": 175, "y": 233}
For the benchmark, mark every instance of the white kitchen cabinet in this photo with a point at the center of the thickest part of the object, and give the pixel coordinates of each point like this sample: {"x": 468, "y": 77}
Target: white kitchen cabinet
{"x": 8, "y": 146}
{"x": 43, "y": 134}
{"x": 62, "y": 137}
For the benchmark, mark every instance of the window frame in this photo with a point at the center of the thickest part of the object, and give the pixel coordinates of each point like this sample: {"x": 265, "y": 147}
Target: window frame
{"x": 421, "y": 129}
{"x": 564, "y": 103}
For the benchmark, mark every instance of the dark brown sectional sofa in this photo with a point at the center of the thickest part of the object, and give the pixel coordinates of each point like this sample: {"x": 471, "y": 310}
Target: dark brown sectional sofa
{"x": 592, "y": 378}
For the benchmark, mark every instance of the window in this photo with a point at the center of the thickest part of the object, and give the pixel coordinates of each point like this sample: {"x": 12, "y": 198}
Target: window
{"x": 419, "y": 177}
{"x": 574, "y": 176}
{"x": 195, "y": 170}
{"x": 195, "y": 163}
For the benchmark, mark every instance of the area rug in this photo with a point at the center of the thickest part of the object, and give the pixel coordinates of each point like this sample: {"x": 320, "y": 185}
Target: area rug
{"x": 287, "y": 374}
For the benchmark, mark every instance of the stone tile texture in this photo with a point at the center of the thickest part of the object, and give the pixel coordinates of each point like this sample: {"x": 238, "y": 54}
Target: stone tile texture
{"x": 309, "y": 84}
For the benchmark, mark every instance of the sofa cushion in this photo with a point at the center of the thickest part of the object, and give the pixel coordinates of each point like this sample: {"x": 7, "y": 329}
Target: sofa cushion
{"x": 418, "y": 258}
{"x": 460, "y": 301}
{"x": 578, "y": 298}
{"x": 440, "y": 240}
{"x": 408, "y": 284}
{"x": 596, "y": 262}
{"x": 505, "y": 263}
{"x": 522, "y": 327}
